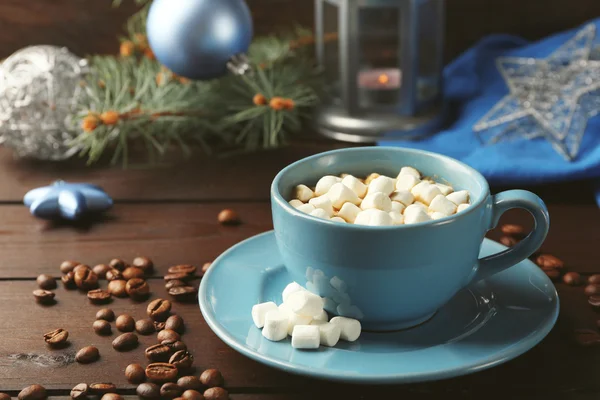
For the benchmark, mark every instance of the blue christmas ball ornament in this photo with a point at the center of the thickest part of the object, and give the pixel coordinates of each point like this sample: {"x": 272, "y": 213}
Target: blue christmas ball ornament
{"x": 196, "y": 38}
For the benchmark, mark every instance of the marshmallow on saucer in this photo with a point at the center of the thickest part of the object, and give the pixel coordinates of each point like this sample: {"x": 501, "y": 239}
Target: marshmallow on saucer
{"x": 325, "y": 183}
{"x": 349, "y": 328}
{"x": 306, "y": 337}
{"x": 359, "y": 188}
{"x": 259, "y": 312}
{"x": 303, "y": 193}
{"x": 329, "y": 333}
{"x": 291, "y": 288}
{"x": 305, "y": 303}
{"x": 322, "y": 316}
{"x": 276, "y": 326}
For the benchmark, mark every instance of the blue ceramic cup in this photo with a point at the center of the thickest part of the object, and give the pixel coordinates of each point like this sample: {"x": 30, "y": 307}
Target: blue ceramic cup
{"x": 394, "y": 277}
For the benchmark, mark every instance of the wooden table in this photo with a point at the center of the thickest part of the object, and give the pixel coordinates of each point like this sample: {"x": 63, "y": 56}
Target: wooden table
{"x": 168, "y": 213}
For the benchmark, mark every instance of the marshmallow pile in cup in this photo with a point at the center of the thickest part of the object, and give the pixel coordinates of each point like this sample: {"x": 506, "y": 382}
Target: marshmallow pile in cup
{"x": 301, "y": 315}
{"x": 380, "y": 200}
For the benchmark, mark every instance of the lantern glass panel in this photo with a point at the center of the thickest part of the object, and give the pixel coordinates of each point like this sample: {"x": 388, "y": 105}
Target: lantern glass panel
{"x": 431, "y": 33}
{"x": 331, "y": 48}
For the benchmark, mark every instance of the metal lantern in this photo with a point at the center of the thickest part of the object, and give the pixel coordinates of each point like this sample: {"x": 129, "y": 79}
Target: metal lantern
{"x": 383, "y": 61}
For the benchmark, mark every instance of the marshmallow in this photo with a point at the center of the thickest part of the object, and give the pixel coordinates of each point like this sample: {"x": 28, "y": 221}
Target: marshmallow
{"x": 291, "y": 288}
{"x": 348, "y": 212}
{"x": 437, "y": 215}
{"x": 306, "y": 337}
{"x": 325, "y": 183}
{"x": 340, "y": 194}
{"x": 319, "y": 213}
{"x": 349, "y": 328}
{"x": 409, "y": 171}
{"x": 377, "y": 200}
{"x": 296, "y": 319}
{"x": 359, "y": 188}
{"x": 276, "y": 326}
{"x": 305, "y": 303}
{"x": 425, "y": 192}
{"x": 296, "y": 203}
{"x": 373, "y": 217}
{"x": 382, "y": 184}
{"x": 403, "y": 196}
{"x": 306, "y": 208}
{"x": 338, "y": 219}
{"x": 285, "y": 308}
{"x": 458, "y": 198}
{"x": 322, "y": 316}
{"x": 397, "y": 218}
{"x": 338, "y": 284}
{"x": 406, "y": 182}
{"x": 441, "y": 204}
{"x": 329, "y": 334}
{"x": 329, "y": 304}
{"x": 303, "y": 193}
{"x": 397, "y": 207}
{"x": 324, "y": 203}
{"x": 462, "y": 207}
{"x": 259, "y": 312}
{"x": 445, "y": 189}
{"x": 415, "y": 214}
{"x": 370, "y": 178}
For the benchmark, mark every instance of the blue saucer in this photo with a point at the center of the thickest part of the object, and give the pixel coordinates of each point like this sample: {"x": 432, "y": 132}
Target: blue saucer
{"x": 483, "y": 326}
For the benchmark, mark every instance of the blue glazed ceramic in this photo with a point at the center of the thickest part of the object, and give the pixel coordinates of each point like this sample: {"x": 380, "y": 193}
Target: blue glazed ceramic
{"x": 489, "y": 323}
{"x": 395, "y": 277}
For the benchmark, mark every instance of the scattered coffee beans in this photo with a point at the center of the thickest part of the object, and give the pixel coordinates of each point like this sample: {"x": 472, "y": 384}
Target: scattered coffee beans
{"x": 101, "y": 270}
{"x": 114, "y": 275}
{"x": 595, "y": 279}
{"x": 68, "y": 280}
{"x": 175, "y": 323}
{"x": 174, "y": 345}
{"x": 592, "y": 290}
{"x": 594, "y": 301}
{"x": 191, "y": 394}
{"x": 212, "y": 378}
{"x": 44, "y": 296}
{"x": 46, "y": 282}
{"x": 148, "y": 391}
{"x": 572, "y": 279}
{"x": 87, "y": 355}
{"x": 513, "y": 230}
{"x": 205, "y": 267}
{"x": 182, "y": 269}
{"x": 182, "y": 359}
{"x": 102, "y": 327}
{"x": 170, "y": 390}
{"x": 145, "y": 326}
{"x": 179, "y": 276}
{"x": 106, "y": 314}
{"x": 68, "y": 266}
{"x": 174, "y": 283}
{"x": 137, "y": 289}
{"x": 586, "y": 337}
{"x": 167, "y": 334}
{"x": 159, "y": 326}
{"x": 56, "y": 337}
{"x": 552, "y": 273}
{"x": 125, "y": 323}
{"x": 144, "y": 263}
{"x": 216, "y": 393}
{"x": 4, "y": 396}
{"x": 189, "y": 383}
{"x": 159, "y": 353}
{"x": 183, "y": 293}
{"x": 33, "y": 392}
{"x": 118, "y": 288}
{"x": 228, "y": 217}
{"x": 508, "y": 241}
{"x": 80, "y": 391}
{"x": 135, "y": 373}
{"x": 112, "y": 396}
{"x": 549, "y": 261}
{"x": 133, "y": 272}
{"x": 126, "y": 341}
{"x": 80, "y": 267}
{"x": 102, "y": 388}
{"x": 159, "y": 309}
{"x": 85, "y": 278}
{"x": 99, "y": 296}
{"x": 118, "y": 264}
{"x": 161, "y": 372}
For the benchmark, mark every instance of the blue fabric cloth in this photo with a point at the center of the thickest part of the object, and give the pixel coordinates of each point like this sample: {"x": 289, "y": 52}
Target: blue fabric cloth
{"x": 473, "y": 85}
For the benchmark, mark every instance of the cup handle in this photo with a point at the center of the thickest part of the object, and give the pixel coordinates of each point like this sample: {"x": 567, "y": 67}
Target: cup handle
{"x": 502, "y": 202}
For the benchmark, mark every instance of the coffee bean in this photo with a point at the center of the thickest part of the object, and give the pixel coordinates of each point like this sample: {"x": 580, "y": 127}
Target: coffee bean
{"x": 182, "y": 359}
{"x": 44, "y": 296}
{"x": 101, "y": 270}
{"x": 118, "y": 264}
{"x": 159, "y": 326}
{"x": 553, "y": 274}
{"x": 46, "y": 282}
{"x": 595, "y": 279}
{"x": 81, "y": 267}
{"x": 174, "y": 345}
{"x": 508, "y": 241}
{"x": 572, "y": 279}
{"x": 112, "y": 396}
{"x": 175, "y": 323}
{"x": 183, "y": 293}
{"x": 135, "y": 373}
{"x": 205, "y": 267}
{"x": 117, "y": 288}
{"x": 80, "y": 391}
{"x": 68, "y": 280}
{"x": 161, "y": 372}
{"x": 167, "y": 334}
{"x": 33, "y": 392}
{"x": 114, "y": 275}
{"x": 133, "y": 272}
{"x": 102, "y": 327}
{"x": 549, "y": 261}
{"x": 170, "y": 390}
{"x": 148, "y": 391}
{"x": 126, "y": 341}
{"x": 592, "y": 290}
{"x": 159, "y": 309}
{"x": 4, "y": 396}
{"x": 125, "y": 323}
{"x": 513, "y": 230}
{"x": 191, "y": 394}
{"x": 144, "y": 326}
{"x": 87, "y": 355}
{"x": 212, "y": 378}
{"x": 586, "y": 337}
{"x": 216, "y": 393}
{"x": 174, "y": 283}
{"x": 68, "y": 266}
{"x": 86, "y": 279}
{"x": 144, "y": 263}
{"x": 158, "y": 353}
{"x": 189, "y": 383}
{"x": 228, "y": 217}
{"x": 137, "y": 289}
{"x": 102, "y": 388}
{"x": 56, "y": 337}
{"x": 179, "y": 276}
{"x": 182, "y": 269}
{"x": 594, "y": 301}
{"x": 106, "y": 314}
{"x": 99, "y": 296}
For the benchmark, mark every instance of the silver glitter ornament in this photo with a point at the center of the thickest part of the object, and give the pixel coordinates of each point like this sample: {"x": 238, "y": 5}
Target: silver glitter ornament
{"x": 40, "y": 87}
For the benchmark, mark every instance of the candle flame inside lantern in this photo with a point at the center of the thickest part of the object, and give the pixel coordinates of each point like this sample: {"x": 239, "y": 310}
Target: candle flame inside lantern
{"x": 383, "y": 79}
